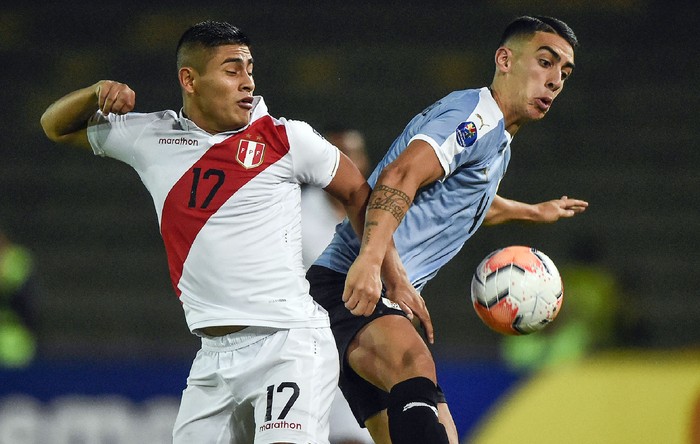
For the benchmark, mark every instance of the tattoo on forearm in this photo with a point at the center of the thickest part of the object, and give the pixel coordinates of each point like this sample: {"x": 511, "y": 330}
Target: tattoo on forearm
{"x": 368, "y": 230}
{"x": 389, "y": 199}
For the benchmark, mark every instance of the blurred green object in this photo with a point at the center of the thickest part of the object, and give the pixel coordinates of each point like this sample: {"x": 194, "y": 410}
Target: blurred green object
{"x": 586, "y": 322}
{"x": 17, "y": 341}
{"x": 15, "y": 268}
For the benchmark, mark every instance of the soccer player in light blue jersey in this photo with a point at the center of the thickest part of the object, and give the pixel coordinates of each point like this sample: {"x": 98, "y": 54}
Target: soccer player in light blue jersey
{"x": 432, "y": 190}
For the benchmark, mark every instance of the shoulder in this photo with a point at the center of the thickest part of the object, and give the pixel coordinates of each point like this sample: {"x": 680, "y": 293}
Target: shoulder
{"x": 291, "y": 127}
{"x": 297, "y": 125}
{"x": 463, "y": 101}
{"x": 480, "y": 115}
{"x": 300, "y": 133}
{"x": 448, "y": 112}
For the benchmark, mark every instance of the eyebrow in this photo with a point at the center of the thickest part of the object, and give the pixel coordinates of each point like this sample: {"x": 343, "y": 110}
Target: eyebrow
{"x": 556, "y": 55}
{"x": 237, "y": 60}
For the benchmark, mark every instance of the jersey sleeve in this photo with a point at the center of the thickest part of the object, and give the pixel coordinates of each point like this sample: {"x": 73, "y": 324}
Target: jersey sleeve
{"x": 315, "y": 159}
{"x": 438, "y": 131}
{"x": 115, "y": 135}
{"x": 461, "y": 130}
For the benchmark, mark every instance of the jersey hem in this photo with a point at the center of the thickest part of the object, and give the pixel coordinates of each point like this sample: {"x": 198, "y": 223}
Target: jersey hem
{"x": 286, "y": 324}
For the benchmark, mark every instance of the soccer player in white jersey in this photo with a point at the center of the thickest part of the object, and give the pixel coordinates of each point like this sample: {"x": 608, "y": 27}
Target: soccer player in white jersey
{"x": 225, "y": 180}
{"x": 434, "y": 188}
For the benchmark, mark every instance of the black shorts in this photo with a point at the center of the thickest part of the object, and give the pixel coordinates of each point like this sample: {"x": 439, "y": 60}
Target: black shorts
{"x": 365, "y": 399}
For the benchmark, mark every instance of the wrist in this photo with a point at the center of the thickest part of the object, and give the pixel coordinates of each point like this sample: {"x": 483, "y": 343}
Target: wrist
{"x": 533, "y": 213}
{"x": 369, "y": 259}
{"x": 96, "y": 87}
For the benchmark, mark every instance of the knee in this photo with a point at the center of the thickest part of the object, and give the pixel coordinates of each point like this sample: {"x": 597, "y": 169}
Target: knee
{"x": 413, "y": 362}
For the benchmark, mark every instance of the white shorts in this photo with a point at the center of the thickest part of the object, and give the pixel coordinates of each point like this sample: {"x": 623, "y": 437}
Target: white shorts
{"x": 260, "y": 385}
{"x": 343, "y": 425}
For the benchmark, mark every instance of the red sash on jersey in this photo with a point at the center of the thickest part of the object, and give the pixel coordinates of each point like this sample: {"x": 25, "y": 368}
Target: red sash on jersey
{"x": 211, "y": 181}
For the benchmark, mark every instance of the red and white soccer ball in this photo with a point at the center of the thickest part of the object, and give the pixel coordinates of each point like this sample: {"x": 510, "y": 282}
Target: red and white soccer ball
{"x": 517, "y": 290}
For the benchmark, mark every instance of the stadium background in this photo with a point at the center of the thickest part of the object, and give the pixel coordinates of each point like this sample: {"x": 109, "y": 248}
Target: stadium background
{"x": 620, "y": 136}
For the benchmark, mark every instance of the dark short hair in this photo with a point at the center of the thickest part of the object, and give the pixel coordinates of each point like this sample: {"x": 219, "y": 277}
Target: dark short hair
{"x": 210, "y": 34}
{"x": 527, "y": 25}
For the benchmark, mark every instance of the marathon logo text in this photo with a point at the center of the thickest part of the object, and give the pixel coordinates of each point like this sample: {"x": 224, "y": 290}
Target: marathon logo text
{"x": 177, "y": 141}
{"x": 280, "y": 425}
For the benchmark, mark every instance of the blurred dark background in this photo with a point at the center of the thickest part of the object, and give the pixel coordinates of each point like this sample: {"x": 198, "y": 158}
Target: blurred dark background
{"x": 620, "y": 136}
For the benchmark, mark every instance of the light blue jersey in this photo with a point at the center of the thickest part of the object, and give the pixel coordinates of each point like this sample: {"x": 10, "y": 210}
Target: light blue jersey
{"x": 467, "y": 132}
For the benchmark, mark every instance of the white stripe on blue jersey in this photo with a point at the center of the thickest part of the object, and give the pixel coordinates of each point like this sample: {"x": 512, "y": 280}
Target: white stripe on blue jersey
{"x": 467, "y": 132}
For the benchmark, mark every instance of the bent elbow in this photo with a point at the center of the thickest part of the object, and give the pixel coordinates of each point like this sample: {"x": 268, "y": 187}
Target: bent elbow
{"x": 57, "y": 134}
{"x": 49, "y": 128}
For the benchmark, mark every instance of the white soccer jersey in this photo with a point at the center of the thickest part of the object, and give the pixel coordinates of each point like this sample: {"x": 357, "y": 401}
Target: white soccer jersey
{"x": 228, "y": 208}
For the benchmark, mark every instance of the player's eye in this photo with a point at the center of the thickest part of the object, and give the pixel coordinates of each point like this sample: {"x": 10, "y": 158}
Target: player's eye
{"x": 545, "y": 63}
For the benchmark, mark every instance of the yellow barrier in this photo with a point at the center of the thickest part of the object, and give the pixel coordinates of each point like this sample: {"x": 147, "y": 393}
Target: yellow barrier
{"x": 615, "y": 398}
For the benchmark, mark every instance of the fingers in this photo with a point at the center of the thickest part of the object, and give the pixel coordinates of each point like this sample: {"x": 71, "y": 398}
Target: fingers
{"x": 413, "y": 304}
{"x": 571, "y": 207}
{"x": 571, "y": 203}
{"x": 576, "y": 206}
{"x": 423, "y": 315}
{"x": 406, "y": 309}
{"x": 363, "y": 308}
{"x": 359, "y": 305}
{"x": 362, "y": 289}
{"x": 414, "y": 307}
{"x": 115, "y": 97}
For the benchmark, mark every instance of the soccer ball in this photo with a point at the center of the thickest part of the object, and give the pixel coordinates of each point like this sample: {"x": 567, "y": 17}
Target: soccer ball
{"x": 517, "y": 290}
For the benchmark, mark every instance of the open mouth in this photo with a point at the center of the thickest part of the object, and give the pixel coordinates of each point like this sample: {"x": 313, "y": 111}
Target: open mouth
{"x": 543, "y": 103}
{"x": 246, "y": 102}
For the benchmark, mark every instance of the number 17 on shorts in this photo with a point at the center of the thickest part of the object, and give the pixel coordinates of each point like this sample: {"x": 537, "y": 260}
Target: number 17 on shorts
{"x": 260, "y": 385}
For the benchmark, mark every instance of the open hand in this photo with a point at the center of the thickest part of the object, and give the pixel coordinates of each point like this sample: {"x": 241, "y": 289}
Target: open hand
{"x": 553, "y": 210}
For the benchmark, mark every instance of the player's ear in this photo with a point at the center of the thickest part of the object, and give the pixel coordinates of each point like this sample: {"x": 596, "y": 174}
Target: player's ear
{"x": 503, "y": 59}
{"x": 187, "y": 76}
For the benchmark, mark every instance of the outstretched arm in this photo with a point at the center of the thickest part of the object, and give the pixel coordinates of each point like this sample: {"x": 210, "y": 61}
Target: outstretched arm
{"x": 65, "y": 121}
{"x": 504, "y": 210}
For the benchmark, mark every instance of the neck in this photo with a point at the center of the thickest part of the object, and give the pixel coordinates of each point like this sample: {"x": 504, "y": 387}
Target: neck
{"x": 512, "y": 123}
{"x": 194, "y": 117}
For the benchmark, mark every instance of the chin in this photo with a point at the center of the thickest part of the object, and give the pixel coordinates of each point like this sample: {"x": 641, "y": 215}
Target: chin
{"x": 241, "y": 123}
{"x": 537, "y": 114}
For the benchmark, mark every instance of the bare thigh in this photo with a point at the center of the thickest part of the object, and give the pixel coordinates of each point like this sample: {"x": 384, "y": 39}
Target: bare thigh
{"x": 389, "y": 350}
